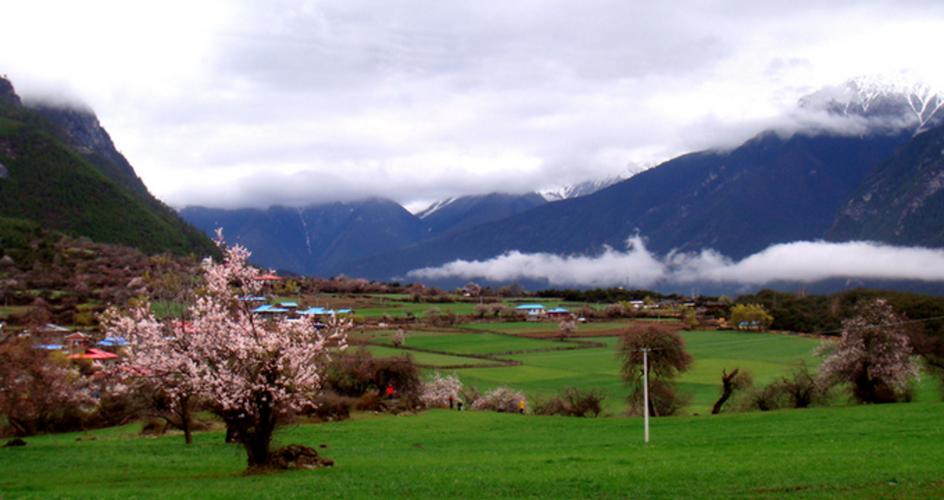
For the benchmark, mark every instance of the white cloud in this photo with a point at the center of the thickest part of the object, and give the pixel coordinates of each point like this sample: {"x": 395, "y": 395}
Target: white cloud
{"x": 804, "y": 262}
{"x": 227, "y": 102}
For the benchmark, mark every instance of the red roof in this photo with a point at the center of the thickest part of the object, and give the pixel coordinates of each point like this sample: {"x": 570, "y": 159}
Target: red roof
{"x": 268, "y": 277}
{"x": 94, "y": 354}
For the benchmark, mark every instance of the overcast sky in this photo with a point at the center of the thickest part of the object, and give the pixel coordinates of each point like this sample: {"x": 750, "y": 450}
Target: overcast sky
{"x": 253, "y": 103}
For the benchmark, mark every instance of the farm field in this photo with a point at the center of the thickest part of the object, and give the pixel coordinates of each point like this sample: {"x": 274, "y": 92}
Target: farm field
{"x": 555, "y": 365}
{"x": 428, "y": 359}
{"x": 517, "y": 327}
{"x": 480, "y": 343}
{"x": 849, "y": 452}
{"x": 400, "y": 305}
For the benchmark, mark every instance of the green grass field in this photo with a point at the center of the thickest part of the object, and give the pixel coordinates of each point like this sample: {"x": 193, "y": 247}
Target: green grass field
{"x": 849, "y": 452}
{"x": 545, "y": 372}
{"x": 426, "y": 359}
{"x": 479, "y": 343}
{"x": 517, "y": 327}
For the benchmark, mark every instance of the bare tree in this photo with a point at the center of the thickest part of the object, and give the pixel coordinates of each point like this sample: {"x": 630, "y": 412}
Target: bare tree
{"x": 731, "y": 382}
{"x": 667, "y": 358}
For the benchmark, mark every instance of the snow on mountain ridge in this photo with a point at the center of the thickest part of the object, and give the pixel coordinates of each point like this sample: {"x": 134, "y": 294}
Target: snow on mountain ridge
{"x": 881, "y": 98}
{"x": 434, "y": 207}
{"x": 580, "y": 189}
{"x": 590, "y": 186}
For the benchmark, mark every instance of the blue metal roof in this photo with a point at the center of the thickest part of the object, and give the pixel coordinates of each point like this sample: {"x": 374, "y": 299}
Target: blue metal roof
{"x": 113, "y": 342}
{"x": 288, "y": 304}
{"x": 530, "y": 306}
{"x": 252, "y": 298}
{"x": 559, "y": 310}
{"x": 269, "y": 309}
{"x": 315, "y": 311}
{"x": 50, "y": 347}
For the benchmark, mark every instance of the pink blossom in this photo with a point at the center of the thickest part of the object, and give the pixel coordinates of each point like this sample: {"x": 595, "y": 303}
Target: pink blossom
{"x": 255, "y": 369}
{"x": 874, "y": 354}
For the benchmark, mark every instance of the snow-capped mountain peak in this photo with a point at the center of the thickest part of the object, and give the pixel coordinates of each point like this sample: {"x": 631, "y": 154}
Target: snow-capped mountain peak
{"x": 589, "y": 186}
{"x": 899, "y": 100}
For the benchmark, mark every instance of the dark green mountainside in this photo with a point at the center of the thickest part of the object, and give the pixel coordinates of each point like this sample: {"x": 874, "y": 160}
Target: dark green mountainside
{"x": 59, "y": 168}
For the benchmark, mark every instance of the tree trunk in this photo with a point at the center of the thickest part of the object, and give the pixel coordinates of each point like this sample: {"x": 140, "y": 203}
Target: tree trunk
{"x": 256, "y": 439}
{"x": 186, "y": 419}
{"x": 727, "y": 388}
{"x": 232, "y": 433}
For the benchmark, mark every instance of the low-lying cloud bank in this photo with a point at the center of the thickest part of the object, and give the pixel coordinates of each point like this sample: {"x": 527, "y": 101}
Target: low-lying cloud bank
{"x": 802, "y": 261}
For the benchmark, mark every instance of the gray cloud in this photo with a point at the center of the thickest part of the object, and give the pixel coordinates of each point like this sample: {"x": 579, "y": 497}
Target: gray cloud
{"x": 803, "y": 261}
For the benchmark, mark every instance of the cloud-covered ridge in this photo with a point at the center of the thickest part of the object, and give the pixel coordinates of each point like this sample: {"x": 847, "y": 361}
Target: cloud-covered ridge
{"x": 802, "y": 261}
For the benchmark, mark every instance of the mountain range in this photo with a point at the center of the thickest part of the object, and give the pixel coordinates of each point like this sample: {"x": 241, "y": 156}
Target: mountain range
{"x": 876, "y": 172}
{"x": 879, "y": 180}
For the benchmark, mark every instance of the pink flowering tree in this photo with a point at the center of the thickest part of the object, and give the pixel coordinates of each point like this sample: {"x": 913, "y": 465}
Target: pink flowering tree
{"x": 873, "y": 355}
{"x": 441, "y": 391}
{"x": 567, "y": 328}
{"x": 254, "y": 372}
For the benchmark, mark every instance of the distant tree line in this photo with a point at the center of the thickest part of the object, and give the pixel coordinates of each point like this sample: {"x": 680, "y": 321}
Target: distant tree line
{"x": 608, "y": 295}
{"x": 825, "y": 313}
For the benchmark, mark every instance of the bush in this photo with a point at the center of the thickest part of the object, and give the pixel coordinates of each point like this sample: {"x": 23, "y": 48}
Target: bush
{"x": 572, "y": 402}
{"x": 613, "y": 311}
{"x": 357, "y": 374}
{"x": 369, "y": 401}
{"x": 502, "y": 399}
{"x": 469, "y": 394}
{"x": 663, "y": 400}
{"x": 771, "y": 397}
{"x": 40, "y": 392}
{"x": 802, "y": 389}
{"x": 330, "y": 407}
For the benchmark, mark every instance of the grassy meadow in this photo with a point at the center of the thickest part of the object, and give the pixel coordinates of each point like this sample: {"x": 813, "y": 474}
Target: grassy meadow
{"x": 547, "y": 366}
{"x": 841, "y": 451}
{"x": 849, "y": 452}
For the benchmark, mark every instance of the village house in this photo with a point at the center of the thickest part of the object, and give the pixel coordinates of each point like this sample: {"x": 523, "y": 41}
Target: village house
{"x": 559, "y": 313}
{"x": 534, "y": 311}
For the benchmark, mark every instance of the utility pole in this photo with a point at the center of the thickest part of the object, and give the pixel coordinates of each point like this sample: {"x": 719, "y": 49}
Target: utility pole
{"x": 645, "y": 392}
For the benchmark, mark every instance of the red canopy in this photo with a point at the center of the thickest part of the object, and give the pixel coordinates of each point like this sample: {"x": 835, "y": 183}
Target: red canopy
{"x": 94, "y": 354}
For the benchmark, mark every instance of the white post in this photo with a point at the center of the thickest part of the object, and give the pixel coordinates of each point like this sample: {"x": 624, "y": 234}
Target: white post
{"x": 645, "y": 392}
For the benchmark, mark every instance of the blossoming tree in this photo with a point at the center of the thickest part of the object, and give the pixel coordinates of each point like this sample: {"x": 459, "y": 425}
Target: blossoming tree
{"x": 873, "y": 355}
{"x": 441, "y": 391}
{"x": 253, "y": 372}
